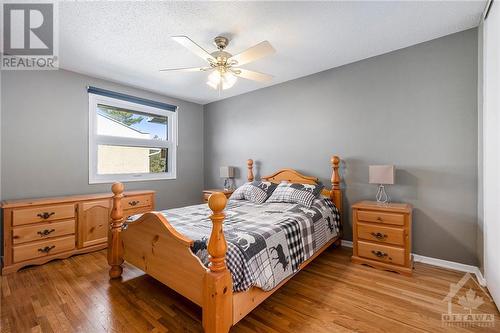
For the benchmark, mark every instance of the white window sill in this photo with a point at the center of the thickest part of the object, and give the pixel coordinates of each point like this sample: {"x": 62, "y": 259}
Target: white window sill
{"x": 130, "y": 178}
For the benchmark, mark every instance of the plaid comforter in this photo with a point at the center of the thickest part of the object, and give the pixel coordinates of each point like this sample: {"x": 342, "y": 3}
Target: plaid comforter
{"x": 266, "y": 243}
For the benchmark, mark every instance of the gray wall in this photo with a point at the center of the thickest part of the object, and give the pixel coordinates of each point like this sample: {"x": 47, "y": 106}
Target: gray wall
{"x": 44, "y": 137}
{"x": 1, "y": 99}
{"x": 415, "y": 108}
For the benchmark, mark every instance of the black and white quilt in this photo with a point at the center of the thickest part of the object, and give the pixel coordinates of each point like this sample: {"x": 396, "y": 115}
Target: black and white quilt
{"x": 266, "y": 242}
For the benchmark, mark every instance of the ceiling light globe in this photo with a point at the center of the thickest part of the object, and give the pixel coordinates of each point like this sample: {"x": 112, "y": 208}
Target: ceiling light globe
{"x": 214, "y": 78}
{"x": 228, "y": 80}
{"x": 221, "y": 80}
{"x": 212, "y": 85}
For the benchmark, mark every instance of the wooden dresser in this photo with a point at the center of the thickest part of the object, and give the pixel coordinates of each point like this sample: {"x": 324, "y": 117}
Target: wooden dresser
{"x": 38, "y": 230}
{"x": 382, "y": 236}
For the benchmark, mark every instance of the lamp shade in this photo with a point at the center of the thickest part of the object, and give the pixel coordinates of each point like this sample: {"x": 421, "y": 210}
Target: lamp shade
{"x": 226, "y": 172}
{"x": 382, "y": 174}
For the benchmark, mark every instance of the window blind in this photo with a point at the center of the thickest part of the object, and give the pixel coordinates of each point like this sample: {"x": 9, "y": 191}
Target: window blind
{"x": 129, "y": 98}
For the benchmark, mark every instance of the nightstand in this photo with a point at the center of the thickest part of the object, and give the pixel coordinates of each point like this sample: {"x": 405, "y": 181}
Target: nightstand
{"x": 382, "y": 236}
{"x": 206, "y": 193}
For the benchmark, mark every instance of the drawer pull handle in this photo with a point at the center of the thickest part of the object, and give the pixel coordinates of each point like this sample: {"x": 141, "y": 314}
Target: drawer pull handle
{"x": 378, "y": 235}
{"x": 46, "y": 232}
{"x": 45, "y": 215}
{"x": 379, "y": 219}
{"x": 379, "y": 254}
{"x": 133, "y": 203}
{"x": 46, "y": 249}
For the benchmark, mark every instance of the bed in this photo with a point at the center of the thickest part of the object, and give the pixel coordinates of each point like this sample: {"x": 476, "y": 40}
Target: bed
{"x": 186, "y": 248}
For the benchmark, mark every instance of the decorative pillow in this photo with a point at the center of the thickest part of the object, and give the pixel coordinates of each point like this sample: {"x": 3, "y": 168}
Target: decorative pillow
{"x": 255, "y": 191}
{"x": 303, "y": 194}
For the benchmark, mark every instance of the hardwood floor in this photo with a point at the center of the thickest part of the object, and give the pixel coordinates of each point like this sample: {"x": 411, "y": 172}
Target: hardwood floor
{"x": 330, "y": 295}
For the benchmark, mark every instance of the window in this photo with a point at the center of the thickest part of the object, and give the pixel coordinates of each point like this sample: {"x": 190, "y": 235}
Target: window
{"x": 130, "y": 139}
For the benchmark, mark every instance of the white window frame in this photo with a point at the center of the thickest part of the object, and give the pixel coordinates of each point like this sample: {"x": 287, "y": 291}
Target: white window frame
{"x": 95, "y": 140}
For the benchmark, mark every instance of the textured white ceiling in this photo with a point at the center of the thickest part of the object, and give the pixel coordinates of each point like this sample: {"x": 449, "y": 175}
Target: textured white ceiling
{"x": 128, "y": 42}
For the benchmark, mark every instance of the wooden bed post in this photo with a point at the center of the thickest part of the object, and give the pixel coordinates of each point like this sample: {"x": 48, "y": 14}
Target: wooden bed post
{"x": 115, "y": 246}
{"x": 336, "y": 193}
{"x": 218, "y": 291}
{"x": 250, "y": 170}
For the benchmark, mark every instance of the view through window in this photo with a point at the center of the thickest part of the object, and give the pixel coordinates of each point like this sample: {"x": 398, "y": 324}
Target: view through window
{"x": 130, "y": 141}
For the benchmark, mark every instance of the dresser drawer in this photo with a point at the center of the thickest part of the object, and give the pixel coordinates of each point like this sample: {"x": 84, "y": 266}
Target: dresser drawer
{"x": 379, "y": 217}
{"x": 139, "y": 210}
{"x": 43, "y": 248}
{"x": 384, "y": 253}
{"x": 137, "y": 201}
{"x": 379, "y": 233}
{"x": 42, "y": 231}
{"x": 42, "y": 214}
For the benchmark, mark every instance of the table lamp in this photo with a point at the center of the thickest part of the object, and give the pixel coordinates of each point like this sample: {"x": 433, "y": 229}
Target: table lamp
{"x": 382, "y": 175}
{"x": 227, "y": 173}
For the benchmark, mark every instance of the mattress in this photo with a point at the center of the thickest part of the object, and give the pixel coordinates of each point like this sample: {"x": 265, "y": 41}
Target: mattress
{"x": 266, "y": 243}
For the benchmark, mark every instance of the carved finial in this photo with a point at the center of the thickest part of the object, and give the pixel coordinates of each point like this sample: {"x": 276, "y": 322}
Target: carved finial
{"x": 335, "y": 160}
{"x": 217, "y": 202}
{"x": 335, "y": 174}
{"x": 217, "y": 245}
{"x": 117, "y": 188}
{"x": 250, "y": 170}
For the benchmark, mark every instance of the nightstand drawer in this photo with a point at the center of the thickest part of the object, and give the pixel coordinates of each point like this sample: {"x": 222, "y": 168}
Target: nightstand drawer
{"x": 378, "y": 233}
{"x": 389, "y": 254}
{"x": 42, "y": 231}
{"x": 208, "y": 193}
{"x": 379, "y": 217}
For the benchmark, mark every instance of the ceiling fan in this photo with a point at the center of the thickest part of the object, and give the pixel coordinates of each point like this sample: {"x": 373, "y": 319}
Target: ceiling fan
{"x": 224, "y": 67}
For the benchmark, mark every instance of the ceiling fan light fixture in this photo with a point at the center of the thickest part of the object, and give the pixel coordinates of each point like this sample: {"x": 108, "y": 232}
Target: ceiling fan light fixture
{"x": 228, "y": 80}
{"x": 222, "y": 64}
{"x": 212, "y": 85}
{"x": 221, "y": 80}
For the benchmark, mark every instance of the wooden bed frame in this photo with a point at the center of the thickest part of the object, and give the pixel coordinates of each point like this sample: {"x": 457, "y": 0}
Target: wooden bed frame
{"x": 154, "y": 246}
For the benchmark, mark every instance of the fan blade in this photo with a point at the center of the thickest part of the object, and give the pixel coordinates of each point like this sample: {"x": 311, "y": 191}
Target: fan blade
{"x": 251, "y": 75}
{"x": 187, "y": 69}
{"x": 254, "y": 53}
{"x": 193, "y": 47}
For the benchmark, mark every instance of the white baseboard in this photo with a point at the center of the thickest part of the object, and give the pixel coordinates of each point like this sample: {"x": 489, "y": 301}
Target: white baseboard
{"x": 452, "y": 265}
{"x": 347, "y": 243}
{"x": 442, "y": 263}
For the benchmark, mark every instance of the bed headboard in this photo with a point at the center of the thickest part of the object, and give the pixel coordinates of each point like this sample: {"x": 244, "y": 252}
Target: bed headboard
{"x": 293, "y": 176}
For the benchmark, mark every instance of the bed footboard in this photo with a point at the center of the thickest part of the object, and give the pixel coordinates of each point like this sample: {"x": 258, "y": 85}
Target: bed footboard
{"x": 151, "y": 244}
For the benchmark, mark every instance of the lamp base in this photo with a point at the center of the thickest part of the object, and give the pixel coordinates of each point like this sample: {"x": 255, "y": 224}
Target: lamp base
{"x": 382, "y": 197}
{"x": 228, "y": 184}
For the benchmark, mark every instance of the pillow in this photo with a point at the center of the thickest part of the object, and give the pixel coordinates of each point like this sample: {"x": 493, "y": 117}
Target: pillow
{"x": 314, "y": 189}
{"x": 303, "y": 194}
{"x": 255, "y": 191}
